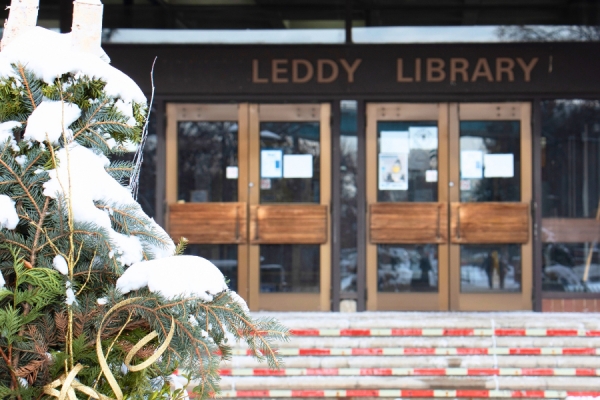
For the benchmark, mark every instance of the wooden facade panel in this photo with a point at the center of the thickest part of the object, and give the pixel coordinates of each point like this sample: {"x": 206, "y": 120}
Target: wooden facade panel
{"x": 489, "y": 223}
{"x": 289, "y": 112}
{"x": 489, "y": 111}
{"x": 288, "y": 224}
{"x": 408, "y": 223}
{"x": 570, "y": 230}
{"x": 209, "y": 223}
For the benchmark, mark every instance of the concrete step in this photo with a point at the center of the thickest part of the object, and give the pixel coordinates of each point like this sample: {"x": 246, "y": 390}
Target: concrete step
{"x": 488, "y": 342}
{"x": 423, "y": 362}
{"x": 422, "y": 382}
{"x": 419, "y": 371}
{"x": 435, "y": 320}
{"x": 432, "y": 355}
{"x": 428, "y": 351}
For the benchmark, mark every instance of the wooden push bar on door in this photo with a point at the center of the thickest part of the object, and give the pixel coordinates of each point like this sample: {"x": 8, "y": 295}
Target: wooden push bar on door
{"x": 489, "y": 223}
{"x": 210, "y": 223}
{"x": 408, "y": 223}
{"x": 288, "y": 224}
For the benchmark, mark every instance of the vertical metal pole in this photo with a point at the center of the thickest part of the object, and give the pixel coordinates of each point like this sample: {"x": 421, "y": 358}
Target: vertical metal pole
{"x": 348, "y": 24}
{"x": 161, "y": 162}
{"x": 361, "y": 209}
{"x": 536, "y": 159}
{"x": 336, "y": 244}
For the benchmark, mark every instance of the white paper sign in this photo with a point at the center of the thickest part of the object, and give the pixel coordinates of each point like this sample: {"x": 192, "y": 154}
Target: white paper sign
{"x": 271, "y": 163}
{"x": 423, "y": 137}
{"x": 471, "y": 164}
{"x": 298, "y": 166}
{"x": 431, "y": 175}
{"x": 394, "y": 142}
{"x": 231, "y": 172}
{"x": 499, "y": 165}
{"x": 393, "y": 171}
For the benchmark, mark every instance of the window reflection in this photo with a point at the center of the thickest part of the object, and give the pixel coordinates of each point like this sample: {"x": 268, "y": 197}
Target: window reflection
{"x": 348, "y": 174}
{"x": 490, "y": 160}
{"x": 570, "y": 157}
{"x": 485, "y": 268}
{"x": 566, "y": 264}
{"x": 224, "y": 256}
{"x": 291, "y": 138}
{"x": 407, "y": 268}
{"x": 419, "y": 153}
{"x": 208, "y": 161}
{"x": 289, "y": 268}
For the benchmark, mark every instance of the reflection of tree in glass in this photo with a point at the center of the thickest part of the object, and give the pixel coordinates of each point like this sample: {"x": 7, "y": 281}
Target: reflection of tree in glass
{"x": 570, "y": 139}
{"x": 498, "y": 137}
{"x": 534, "y": 33}
{"x": 206, "y": 149}
{"x": 292, "y": 138}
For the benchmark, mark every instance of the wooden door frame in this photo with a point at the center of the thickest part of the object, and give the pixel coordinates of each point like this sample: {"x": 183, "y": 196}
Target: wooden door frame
{"x": 491, "y": 112}
{"x": 177, "y": 112}
{"x": 286, "y": 113}
{"x": 405, "y": 112}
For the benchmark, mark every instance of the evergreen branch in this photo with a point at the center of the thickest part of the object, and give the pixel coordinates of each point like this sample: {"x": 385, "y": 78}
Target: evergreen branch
{"x": 26, "y": 83}
{"x": 32, "y": 163}
{"x": 38, "y": 229}
{"x": 91, "y": 117}
{"x": 20, "y": 182}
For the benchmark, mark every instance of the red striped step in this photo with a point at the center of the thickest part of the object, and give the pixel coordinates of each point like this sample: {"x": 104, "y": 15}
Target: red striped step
{"x": 411, "y": 372}
{"x": 445, "y": 332}
{"x": 439, "y": 351}
{"x": 416, "y": 393}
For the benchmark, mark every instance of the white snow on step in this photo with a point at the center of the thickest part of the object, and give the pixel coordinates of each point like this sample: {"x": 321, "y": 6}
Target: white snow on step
{"x": 89, "y": 182}
{"x": 8, "y": 213}
{"x": 50, "y": 54}
{"x": 49, "y": 119}
{"x": 176, "y": 276}
{"x": 6, "y": 133}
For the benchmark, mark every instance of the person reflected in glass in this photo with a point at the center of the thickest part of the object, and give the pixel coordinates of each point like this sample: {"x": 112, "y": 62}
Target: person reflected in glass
{"x": 495, "y": 266}
{"x": 425, "y": 266}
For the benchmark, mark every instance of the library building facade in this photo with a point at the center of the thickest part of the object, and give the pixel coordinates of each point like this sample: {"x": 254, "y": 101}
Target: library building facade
{"x": 416, "y": 177}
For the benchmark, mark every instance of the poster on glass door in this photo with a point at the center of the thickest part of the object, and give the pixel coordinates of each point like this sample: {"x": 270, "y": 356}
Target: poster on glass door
{"x": 393, "y": 171}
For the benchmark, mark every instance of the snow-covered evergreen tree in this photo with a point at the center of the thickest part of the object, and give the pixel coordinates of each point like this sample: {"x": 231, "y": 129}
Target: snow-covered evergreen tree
{"x": 86, "y": 277}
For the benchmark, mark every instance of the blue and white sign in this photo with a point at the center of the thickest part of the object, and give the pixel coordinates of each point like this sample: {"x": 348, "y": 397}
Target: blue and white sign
{"x": 271, "y": 163}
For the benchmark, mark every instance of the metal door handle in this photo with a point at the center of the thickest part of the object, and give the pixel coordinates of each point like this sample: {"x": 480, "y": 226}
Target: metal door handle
{"x": 458, "y": 222}
{"x": 237, "y": 223}
{"x": 439, "y": 234}
{"x": 256, "y": 234}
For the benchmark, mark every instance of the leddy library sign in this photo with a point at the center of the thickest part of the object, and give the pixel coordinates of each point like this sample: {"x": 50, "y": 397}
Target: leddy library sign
{"x": 431, "y": 69}
{"x": 508, "y": 69}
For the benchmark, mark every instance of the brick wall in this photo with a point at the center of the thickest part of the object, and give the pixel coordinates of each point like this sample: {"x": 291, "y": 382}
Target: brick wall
{"x": 570, "y": 305}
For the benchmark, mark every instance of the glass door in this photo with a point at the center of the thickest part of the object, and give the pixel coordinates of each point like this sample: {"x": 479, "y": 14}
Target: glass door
{"x": 490, "y": 195}
{"x": 207, "y": 184}
{"x": 407, "y": 197}
{"x": 448, "y": 194}
{"x": 289, "y": 196}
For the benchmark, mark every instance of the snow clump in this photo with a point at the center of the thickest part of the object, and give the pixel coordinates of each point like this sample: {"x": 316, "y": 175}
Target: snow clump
{"x": 60, "y": 264}
{"x": 49, "y": 55}
{"x": 9, "y": 218}
{"x": 6, "y": 133}
{"x": 49, "y": 120}
{"x": 176, "y": 276}
{"x": 89, "y": 182}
